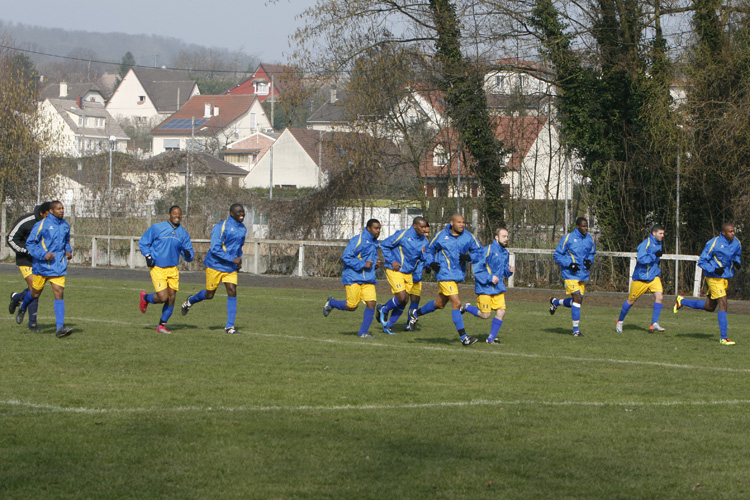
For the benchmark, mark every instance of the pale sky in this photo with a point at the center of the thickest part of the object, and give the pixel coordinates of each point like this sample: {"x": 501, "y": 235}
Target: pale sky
{"x": 258, "y": 27}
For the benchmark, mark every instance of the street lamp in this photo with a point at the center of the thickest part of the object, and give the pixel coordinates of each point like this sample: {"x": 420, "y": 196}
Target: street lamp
{"x": 112, "y": 144}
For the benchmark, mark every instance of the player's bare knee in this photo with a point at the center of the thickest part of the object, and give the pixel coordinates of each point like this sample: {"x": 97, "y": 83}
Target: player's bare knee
{"x": 484, "y": 315}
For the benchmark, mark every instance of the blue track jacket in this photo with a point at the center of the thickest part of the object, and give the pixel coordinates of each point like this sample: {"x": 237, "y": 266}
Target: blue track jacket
{"x": 165, "y": 243}
{"x": 574, "y": 247}
{"x": 446, "y": 249}
{"x": 647, "y": 264}
{"x": 49, "y": 235}
{"x": 416, "y": 276}
{"x": 404, "y": 247}
{"x": 227, "y": 238}
{"x": 494, "y": 263}
{"x": 719, "y": 252}
{"x": 359, "y": 250}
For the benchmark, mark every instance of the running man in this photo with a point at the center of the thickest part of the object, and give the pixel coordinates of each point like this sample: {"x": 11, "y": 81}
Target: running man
{"x": 360, "y": 261}
{"x": 646, "y": 278}
{"x": 575, "y": 255}
{"x": 415, "y": 295}
{"x": 223, "y": 261}
{"x": 447, "y": 255}
{"x": 162, "y": 244}
{"x": 489, "y": 286}
{"x": 719, "y": 259}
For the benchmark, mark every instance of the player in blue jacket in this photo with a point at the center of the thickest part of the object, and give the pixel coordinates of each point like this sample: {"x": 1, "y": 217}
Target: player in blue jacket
{"x": 646, "y": 278}
{"x": 402, "y": 252}
{"x": 360, "y": 261}
{"x": 49, "y": 247}
{"x": 223, "y": 261}
{"x": 719, "y": 259}
{"x": 415, "y": 295}
{"x": 447, "y": 255}
{"x": 489, "y": 286}
{"x": 162, "y": 244}
{"x": 574, "y": 255}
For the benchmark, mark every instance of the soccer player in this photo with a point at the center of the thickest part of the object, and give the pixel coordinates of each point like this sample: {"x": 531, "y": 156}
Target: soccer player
{"x": 447, "y": 255}
{"x": 574, "y": 254}
{"x": 719, "y": 259}
{"x": 401, "y": 253}
{"x": 222, "y": 262}
{"x": 489, "y": 285}
{"x": 49, "y": 246}
{"x": 360, "y": 261}
{"x": 17, "y": 237}
{"x": 415, "y": 295}
{"x": 646, "y": 278}
{"x": 162, "y": 245}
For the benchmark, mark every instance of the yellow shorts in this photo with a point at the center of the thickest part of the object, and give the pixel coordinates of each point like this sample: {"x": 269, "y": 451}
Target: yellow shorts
{"x": 638, "y": 288}
{"x": 573, "y": 286}
{"x": 399, "y": 281}
{"x": 487, "y": 303}
{"x": 40, "y": 281}
{"x": 357, "y": 293}
{"x": 214, "y": 277}
{"x": 165, "y": 277}
{"x": 416, "y": 289}
{"x": 448, "y": 288}
{"x": 25, "y": 271}
{"x": 717, "y": 287}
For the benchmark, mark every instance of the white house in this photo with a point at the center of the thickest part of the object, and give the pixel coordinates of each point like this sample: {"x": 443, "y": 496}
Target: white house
{"x": 246, "y": 152}
{"x": 146, "y": 94}
{"x": 88, "y": 92}
{"x": 83, "y": 127}
{"x": 296, "y": 159}
{"x": 210, "y": 122}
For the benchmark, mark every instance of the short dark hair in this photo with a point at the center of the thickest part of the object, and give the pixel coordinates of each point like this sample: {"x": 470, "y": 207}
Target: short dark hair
{"x": 372, "y": 221}
{"x": 233, "y": 206}
{"x": 657, "y": 227}
{"x": 54, "y": 203}
{"x": 44, "y": 207}
{"x": 173, "y": 207}
{"x": 418, "y": 220}
{"x": 501, "y": 228}
{"x": 580, "y": 220}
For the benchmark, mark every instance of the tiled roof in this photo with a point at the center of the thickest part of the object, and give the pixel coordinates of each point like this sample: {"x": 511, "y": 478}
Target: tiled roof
{"x": 328, "y": 147}
{"x": 331, "y": 112}
{"x": 176, "y": 161}
{"x": 65, "y": 107}
{"x": 74, "y": 90}
{"x": 231, "y": 108}
{"x": 168, "y": 89}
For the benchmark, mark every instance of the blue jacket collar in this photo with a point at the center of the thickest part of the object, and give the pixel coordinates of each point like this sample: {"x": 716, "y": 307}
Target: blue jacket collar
{"x": 577, "y": 233}
{"x": 653, "y": 239}
{"x": 367, "y": 236}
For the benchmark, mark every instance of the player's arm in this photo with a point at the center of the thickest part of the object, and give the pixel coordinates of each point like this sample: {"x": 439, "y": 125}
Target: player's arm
{"x": 68, "y": 248}
{"x": 217, "y": 245}
{"x": 33, "y": 243}
{"x": 476, "y": 250}
{"x": 144, "y": 244}
{"x": 706, "y": 261}
{"x": 17, "y": 238}
{"x": 561, "y": 255}
{"x": 482, "y": 275}
{"x": 350, "y": 256}
{"x": 187, "y": 247}
{"x": 387, "y": 247}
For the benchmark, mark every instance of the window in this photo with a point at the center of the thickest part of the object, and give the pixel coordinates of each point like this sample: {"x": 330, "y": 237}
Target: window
{"x": 141, "y": 99}
{"x": 261, "y": 87}
{"x": 171, "y": 144}
{"x": 439, "y": 158}
{"x": 499, "y": 83}
{"x": 253, "y": 123}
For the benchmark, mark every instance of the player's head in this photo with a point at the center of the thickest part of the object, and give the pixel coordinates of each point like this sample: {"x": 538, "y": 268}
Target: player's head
{"x": 57, "y": 209}
{"x": 237, "y": 212}
{"x": 419, "y": 224}
{"x": 458, "y": 223}
{"x": 502, "y": 236}
{"x": 42, "y": 210}
{"x": 175, "y": 215}
{"x": 373, "y": 227}
{"x": 657, "y": 230}
{"x": 582, "y": 224}
{"x": 727, "y": 229}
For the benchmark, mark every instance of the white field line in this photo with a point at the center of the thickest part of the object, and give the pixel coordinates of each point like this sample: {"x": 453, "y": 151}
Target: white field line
{"x": 39, "y": 408}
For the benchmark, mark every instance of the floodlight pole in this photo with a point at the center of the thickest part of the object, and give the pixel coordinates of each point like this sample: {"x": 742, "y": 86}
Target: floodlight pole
{"x": 39, "y": 181}
{"x": 677, "y": 232}
{"x": 112, "y": 143}
{"x": 187, "y": 166}
{"x": 458, "y": 185}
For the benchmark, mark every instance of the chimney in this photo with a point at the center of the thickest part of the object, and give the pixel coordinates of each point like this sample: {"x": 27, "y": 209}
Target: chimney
{"x": 216, "y": 110}
{"x": 63, "y": 89}
{"x": 78, "y": 102}
{"x": 334, "y": 98}
{"x": 207, "y": 110}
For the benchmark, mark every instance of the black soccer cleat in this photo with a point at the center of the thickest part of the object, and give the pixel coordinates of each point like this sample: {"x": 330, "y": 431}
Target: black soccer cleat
{"x": 13, "y": 304}
{"x": 468, "y": 340}
{"x": 63, "y": 332}
{"x": 19, "y": 315}
{"x": 552, "y": 306}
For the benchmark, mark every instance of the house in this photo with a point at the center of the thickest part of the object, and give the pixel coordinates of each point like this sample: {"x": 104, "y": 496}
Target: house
{"x": 516, "y": 86}
{"x": 246, "y": 152}
{"x": 83, "y": 127}
{"x": 151, "y": 94}
{"x": 209, "y": 123}
{"x": 266, "y": 82}
{"x": 88, "y": 92}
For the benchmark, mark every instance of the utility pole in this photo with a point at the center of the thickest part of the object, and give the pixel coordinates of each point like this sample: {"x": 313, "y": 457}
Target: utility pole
{"x": 187, "y": 166}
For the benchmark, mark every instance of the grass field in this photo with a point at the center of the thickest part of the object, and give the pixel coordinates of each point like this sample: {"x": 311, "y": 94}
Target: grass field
{"x": 298, "y": 407}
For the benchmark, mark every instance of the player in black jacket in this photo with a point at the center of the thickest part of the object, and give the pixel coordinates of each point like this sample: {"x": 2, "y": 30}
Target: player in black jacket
{"x": 17, "y": 241}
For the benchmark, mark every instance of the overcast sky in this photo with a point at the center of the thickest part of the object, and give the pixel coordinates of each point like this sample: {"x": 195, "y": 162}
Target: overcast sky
{"x": 258, "y": 27}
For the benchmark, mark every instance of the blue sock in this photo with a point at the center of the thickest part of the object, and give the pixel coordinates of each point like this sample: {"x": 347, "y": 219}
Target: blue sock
{"x": 567, "y": 303}
{"x": 427, "y": 308}
{"x": 150, "y": 298}
{"x": 472, "y": 310}
{"x": 338, "y": 304}
{"x": 199, "y": 297}
{"x": 494, "y": 329}
{"x": 366, "y": 320}
{"x": 458, "y": 320}
{"x": 59, "y": 313}
{"x": 26, "y": 301}
{"x": 575, "y": 314}
{"x": 395, "y": 314}
{"x": 413, "y": 305}
{"x": 231, "y": 310}
{"x": 18, "y": 297}
{"x": 166, "y": 313}
{"x": 391, "y": 304}
{"x": 624, "y": 311}
{"x": 693, "y": 304}
{"x": 657, "y": 312}
{"x": 33, "y": 307}
{"x": 722, "y": 323}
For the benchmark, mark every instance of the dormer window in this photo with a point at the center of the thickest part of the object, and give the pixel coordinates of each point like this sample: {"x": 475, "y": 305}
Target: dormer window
{"x": 261, "y": 87}
{"x": 141, "y": 99}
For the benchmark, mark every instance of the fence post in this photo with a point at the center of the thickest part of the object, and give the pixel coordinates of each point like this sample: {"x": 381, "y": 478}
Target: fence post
{"x": 94, "y": 251}
{"x": 301, "y": 263}
{"x": 697, "y": 281}
{"x": 4, "y": 229}
{"x": 511, "y": 263}
{"x": 131, "y": 255}
{"x": 633, "y": 262}
{"x": 256, "y": 250}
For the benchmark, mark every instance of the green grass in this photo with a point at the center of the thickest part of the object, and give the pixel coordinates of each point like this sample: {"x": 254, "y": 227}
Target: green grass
{"x": 299, "y": 407}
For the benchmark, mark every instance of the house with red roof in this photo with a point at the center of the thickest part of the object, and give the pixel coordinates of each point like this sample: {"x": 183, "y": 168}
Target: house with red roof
{"x": 209, "y": 123}
{"x": 246, "y": 152}
{"x": 266, "y": 82}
